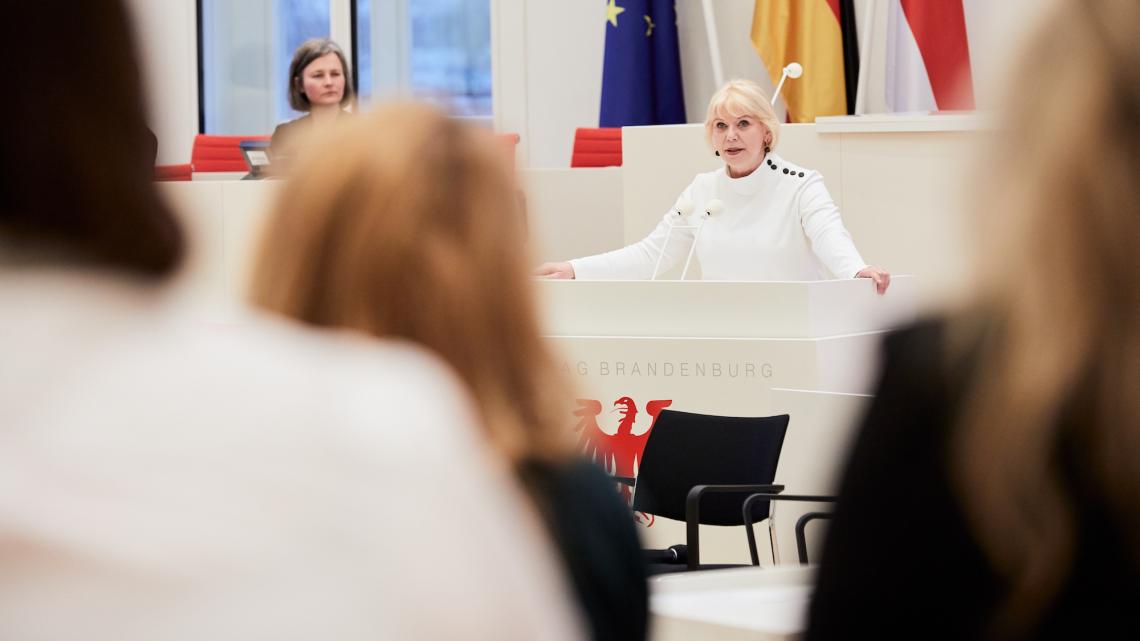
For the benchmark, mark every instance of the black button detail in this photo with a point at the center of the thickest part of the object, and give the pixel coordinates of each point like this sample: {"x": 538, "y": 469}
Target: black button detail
{"x": 801, "y": 174}
{"x": 785, "y": 170}
{"x": 769, "y": 161}
{"x": 773, "y": 167}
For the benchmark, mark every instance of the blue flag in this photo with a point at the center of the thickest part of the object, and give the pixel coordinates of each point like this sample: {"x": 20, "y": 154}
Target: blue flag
{"x": 641, "y": 77}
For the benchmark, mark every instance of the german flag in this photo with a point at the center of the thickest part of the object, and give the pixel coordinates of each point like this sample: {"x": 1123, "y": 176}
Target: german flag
{"x": 820, "y": 35}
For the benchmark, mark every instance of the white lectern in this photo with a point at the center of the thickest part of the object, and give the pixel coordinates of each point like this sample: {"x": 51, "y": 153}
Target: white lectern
{"x": 632, "y": 347}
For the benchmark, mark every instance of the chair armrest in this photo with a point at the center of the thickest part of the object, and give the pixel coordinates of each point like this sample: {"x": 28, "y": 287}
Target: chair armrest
{"x": 693, "y": 511}
{"x": 801, "y": 537}
{"x": 801, "y": 541}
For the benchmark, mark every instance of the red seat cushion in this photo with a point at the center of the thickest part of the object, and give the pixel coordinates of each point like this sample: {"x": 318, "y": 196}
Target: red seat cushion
{"x": 219, "y": 153}
{"x": 596, "y": 147}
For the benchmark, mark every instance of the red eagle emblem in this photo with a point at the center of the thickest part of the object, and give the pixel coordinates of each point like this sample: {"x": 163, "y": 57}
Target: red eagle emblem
{"x": 618, "y": 452}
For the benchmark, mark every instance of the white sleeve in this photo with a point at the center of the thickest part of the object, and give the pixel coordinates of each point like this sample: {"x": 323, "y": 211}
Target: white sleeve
{"x": 636, "y": 261}
{"x": 821, "y": 222}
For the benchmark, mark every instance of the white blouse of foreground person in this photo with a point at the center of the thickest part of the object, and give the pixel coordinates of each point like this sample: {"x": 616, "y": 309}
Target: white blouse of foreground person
{"x": 164, "y": 479}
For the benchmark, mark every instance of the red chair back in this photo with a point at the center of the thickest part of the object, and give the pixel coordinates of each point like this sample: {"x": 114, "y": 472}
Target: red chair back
{"x": 597, "y": 147}
{"x": 167, "y": 173}
{"x": 219, "y": 153}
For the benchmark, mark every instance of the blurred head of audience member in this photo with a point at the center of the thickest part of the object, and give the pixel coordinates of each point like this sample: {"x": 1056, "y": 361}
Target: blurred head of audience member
{"x": 408, "y": 227}
{"x": 77, "y": 156}
{"x": 318, "y": 77}
{"x": 1058, "y": 367}
{"x": 406, "y": 224}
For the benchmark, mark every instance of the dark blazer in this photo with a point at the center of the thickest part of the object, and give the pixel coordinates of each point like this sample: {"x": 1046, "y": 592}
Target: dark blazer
{"x": 283, "y": 133}
{"x": 593, "y": 530}
{"x": 900, "y": 561}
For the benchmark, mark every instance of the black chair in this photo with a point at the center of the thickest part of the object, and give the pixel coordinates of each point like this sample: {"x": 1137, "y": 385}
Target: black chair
{"x": 700, "y": 469}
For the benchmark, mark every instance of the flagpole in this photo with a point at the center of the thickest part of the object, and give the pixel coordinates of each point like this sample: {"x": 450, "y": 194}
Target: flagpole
{"x": 865, "y": 57}
{"x": 714, "y": 44}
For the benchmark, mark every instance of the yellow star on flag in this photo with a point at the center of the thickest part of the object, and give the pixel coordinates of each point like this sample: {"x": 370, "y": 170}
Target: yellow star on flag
{"x": 612, "y": 11}
{"x": 649, "y": 27}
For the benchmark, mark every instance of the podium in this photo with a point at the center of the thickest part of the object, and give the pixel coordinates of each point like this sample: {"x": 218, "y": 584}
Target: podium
{"x": 723, "y": 309}
{"x": 632, "y": 347}
{"x": 718, "y": 347}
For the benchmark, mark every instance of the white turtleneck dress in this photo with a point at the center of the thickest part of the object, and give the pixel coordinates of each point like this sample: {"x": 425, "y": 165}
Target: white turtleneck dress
{"x": 778, "y": 223}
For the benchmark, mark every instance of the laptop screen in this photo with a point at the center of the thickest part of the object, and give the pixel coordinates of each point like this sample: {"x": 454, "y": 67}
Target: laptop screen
{"x": 256, "y": 153}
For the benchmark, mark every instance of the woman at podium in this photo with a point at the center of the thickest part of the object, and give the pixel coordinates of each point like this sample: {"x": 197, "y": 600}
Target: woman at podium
{"x": 759, "y": 217}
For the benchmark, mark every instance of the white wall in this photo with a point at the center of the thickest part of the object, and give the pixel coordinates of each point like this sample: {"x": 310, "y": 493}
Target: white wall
{"x": 166, "y": 35}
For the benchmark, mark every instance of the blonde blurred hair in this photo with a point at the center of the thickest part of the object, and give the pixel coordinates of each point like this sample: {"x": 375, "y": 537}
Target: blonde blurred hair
{"x": 1057, "y": 333}
{"x": 405, "y": 223}
{"x": 742, "y": 98}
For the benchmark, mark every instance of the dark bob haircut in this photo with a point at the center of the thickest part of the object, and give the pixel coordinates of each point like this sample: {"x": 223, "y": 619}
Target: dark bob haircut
{"x": 309, "y": 51}
{"x": 77, "y": 161}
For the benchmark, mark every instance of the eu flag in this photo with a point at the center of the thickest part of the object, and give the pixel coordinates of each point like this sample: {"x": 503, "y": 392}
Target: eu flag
{"x": 641, "y": 77}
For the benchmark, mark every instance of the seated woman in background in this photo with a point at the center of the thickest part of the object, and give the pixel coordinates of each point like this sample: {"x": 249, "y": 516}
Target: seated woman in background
{"x": 414, "y": 233}
{"x": 162, "y": 479}
{"x": 318, "y": 84}
{"x": 994, "y": 491}
{"x": 778, "y": 222}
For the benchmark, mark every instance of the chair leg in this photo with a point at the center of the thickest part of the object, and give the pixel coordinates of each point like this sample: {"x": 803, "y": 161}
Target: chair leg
{"x": 772, "y": 537}
{"x": 751, "y": 540}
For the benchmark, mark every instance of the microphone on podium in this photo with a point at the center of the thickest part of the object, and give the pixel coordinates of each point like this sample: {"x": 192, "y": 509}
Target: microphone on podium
{"x": 793, "y": 70}
{"x": 712, "y": 208}
{"x": 682, "y": 208}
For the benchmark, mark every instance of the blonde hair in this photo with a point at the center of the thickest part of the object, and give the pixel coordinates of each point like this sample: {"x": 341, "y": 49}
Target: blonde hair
{"x": 405, "y": 223}
{"x": 1058, "y": 352}
{"x": 742, "y": 98}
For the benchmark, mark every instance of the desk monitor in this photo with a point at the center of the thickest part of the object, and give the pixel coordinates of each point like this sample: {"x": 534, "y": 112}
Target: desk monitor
{"x": 257, "y": 158}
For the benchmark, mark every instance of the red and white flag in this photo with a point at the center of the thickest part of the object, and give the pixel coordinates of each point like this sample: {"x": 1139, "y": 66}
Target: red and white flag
{"x": 928, "y": 56}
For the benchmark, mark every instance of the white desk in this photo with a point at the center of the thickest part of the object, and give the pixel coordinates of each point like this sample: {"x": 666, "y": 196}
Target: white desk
{"x": 215, "y": 176}
{"x": 750, "y": 604}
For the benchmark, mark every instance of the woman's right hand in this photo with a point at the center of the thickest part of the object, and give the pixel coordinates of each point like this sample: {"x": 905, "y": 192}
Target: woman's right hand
{"x": 557, "y": 271}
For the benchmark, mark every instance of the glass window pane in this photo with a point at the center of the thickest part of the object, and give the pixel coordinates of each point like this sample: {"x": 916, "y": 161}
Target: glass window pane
{"x": 364, "y": 48}
{"x": 246, "y": 49}
{"x": 449, "y": 54}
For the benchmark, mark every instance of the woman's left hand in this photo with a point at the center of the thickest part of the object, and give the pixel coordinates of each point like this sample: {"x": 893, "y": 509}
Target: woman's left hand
{"x": 881, "y": 277}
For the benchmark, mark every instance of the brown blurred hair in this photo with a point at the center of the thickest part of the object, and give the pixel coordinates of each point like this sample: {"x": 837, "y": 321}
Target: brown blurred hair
{"x": 1059, "y": 359}
{"x": 76, "y": 164}
{"x": 404, "y": 223}
{"x": 304, "y": 56}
